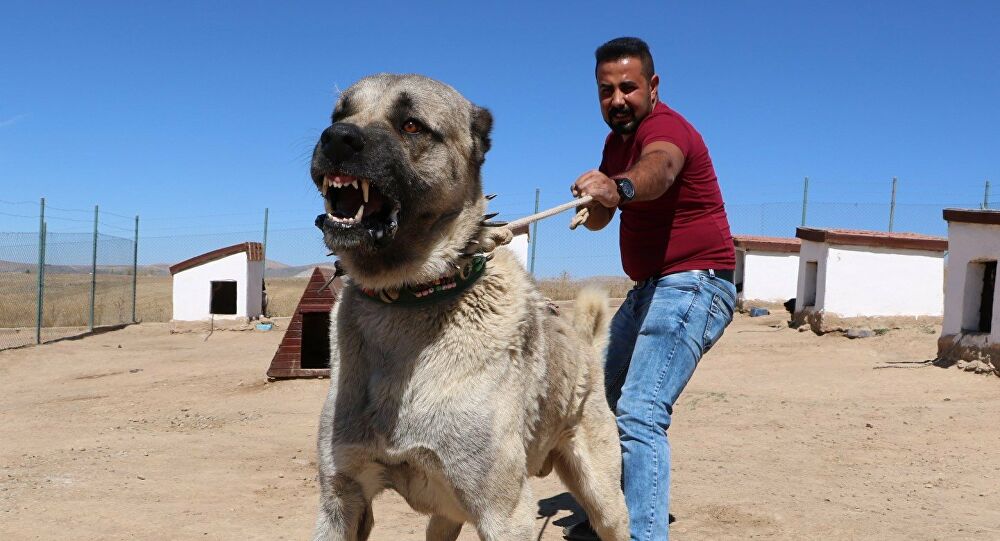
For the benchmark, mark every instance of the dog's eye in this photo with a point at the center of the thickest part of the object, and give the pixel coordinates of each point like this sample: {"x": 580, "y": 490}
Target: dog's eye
{"x": 412, "y": 126}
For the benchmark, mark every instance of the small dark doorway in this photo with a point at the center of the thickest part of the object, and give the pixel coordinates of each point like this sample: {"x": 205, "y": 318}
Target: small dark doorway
{"x": 812, "y": 276}
{"x": 223, "y": 297}
{"x": 986, "y": 297}
{"x": 315, "y": 340}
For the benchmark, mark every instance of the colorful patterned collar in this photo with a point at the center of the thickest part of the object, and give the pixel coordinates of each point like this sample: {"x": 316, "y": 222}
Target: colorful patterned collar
{"x": 443, "y": 288}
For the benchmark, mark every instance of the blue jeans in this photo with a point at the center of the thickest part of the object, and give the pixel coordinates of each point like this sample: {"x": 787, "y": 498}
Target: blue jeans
{"x": 657, "y": 337}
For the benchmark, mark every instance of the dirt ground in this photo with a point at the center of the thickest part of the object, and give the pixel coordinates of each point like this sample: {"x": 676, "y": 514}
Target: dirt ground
{"x": 139, "y": 434}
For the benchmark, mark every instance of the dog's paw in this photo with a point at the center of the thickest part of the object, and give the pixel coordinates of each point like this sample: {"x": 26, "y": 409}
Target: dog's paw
{"x": 494, "y": 237}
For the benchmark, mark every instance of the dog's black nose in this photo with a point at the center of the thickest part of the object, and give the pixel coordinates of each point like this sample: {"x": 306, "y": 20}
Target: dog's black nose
{"x": 341, "y": 141}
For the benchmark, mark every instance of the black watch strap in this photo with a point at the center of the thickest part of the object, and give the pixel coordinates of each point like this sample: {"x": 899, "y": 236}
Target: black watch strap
{"x": 626, "y": 190}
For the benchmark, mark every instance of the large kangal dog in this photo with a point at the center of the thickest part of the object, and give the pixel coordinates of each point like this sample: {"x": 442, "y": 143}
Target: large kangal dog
{"x": 452, "y": 380}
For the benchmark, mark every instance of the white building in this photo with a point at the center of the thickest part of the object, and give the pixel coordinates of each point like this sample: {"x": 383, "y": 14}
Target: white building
{"x": 227, "y": 283}
{"x": 971, "y": 326}
{"x": 849, "y": 273}
{"x": 519, "y": 245}
{"x": 767, "y": 268}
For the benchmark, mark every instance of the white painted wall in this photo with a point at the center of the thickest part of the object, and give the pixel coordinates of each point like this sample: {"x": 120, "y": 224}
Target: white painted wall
{"x": 815, "y": 252}
{"x": 192, "y": 288}
{"x": 768, "y": 276}
{"x": 867, "y": 281}
{"x": 520, "y": 248}
{"x": 969, "y": 244}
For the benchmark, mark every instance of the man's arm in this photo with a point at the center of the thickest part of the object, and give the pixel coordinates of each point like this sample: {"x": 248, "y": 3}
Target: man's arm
{"x": 656, "y": 170}
{"x": 652, "y": 175}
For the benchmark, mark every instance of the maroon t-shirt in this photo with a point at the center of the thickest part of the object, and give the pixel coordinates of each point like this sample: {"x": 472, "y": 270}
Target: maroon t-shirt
{"x": 686, "y": 228}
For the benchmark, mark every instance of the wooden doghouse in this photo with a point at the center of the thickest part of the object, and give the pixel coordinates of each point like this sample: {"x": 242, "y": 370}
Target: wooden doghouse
{"x": 305, "y": 349}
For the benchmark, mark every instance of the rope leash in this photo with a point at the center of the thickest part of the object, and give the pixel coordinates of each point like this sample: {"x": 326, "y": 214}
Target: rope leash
{"x": 580, "y": 217}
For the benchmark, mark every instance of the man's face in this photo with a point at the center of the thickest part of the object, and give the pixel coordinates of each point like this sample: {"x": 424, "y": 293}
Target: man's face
{"x": 626, "y": 96}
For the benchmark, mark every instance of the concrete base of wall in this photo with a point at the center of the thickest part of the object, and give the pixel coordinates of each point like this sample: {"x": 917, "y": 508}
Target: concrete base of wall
{"x": 238, "y": 324}
{"x": 822, "y": 323}
{"x": 969, "y": 348}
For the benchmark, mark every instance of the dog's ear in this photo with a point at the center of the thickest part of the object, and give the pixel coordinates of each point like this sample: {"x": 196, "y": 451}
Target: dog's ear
{"x": 482, "y": 123}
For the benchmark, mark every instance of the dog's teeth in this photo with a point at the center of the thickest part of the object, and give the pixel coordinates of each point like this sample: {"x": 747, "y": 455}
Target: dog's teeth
{"x": 355, "y": 184}
{"x": 329, "y": 206}
{"x": 361, "y": 212}
{"x": 364, "y": 190}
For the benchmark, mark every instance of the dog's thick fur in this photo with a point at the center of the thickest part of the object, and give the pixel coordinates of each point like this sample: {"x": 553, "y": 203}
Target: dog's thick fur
{"x": 453, "y": 404}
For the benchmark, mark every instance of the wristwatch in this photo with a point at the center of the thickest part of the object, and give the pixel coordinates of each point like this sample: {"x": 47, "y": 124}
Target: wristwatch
{"x": 626, "y": 190}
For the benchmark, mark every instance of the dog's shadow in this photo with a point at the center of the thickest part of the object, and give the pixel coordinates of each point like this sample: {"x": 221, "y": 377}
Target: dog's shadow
{"x": 550, "y": 507}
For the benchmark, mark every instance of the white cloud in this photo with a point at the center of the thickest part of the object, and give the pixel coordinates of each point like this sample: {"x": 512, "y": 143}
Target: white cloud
{"x": 4, "y": 122}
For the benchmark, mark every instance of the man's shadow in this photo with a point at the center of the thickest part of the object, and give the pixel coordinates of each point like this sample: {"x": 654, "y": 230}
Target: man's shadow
{"x": 550, "y": 507}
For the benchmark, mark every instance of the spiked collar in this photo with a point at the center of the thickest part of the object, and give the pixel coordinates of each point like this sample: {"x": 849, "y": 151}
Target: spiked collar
{"x": 445, "y": 287}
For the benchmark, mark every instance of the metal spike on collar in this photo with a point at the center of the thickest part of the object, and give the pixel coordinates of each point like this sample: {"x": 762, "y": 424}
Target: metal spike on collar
{"x": 489, "y": 196}
{"x": 493, "y": 224}
{"x": 490, "y": 215}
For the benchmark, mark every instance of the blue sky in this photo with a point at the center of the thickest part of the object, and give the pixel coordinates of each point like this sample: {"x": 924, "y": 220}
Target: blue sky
{"x": 198, "y": 115}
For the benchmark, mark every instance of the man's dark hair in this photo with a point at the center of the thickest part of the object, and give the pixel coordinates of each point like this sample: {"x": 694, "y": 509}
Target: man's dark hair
{"x": 619, "y": 48}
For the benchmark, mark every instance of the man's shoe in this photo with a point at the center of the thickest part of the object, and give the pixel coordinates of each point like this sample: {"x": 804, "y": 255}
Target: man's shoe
{"x": 581, "y": 531}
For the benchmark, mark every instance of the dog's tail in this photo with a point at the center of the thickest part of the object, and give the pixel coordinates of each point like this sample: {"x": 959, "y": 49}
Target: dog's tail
{"x": 591, "y": 316}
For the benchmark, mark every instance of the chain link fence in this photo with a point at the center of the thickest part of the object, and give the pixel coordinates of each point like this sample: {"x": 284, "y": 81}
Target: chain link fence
{"x": 93, "y": 279}
{"x": 59, "y": 285}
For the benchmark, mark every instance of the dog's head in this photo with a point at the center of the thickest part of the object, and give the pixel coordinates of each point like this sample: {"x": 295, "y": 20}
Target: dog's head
{"x": 399, "y": 171}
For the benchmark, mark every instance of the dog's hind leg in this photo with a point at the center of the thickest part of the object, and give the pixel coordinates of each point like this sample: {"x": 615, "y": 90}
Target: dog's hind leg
{"x": 443, "y": 529}
{"x": 589, "y": 463}
{"x": 344, "y": 514}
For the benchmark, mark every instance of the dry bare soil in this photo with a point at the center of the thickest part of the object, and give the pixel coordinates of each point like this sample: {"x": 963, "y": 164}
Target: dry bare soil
{"x": 139, "y": 434}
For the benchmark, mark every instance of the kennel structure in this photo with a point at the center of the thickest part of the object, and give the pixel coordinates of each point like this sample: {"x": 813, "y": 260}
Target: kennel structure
{"x": 304, "y": 351}
{"x": 852, "y": 273}
{"x": 519, "y": 244}
{"x": 971, "y": 328}
{"x": 767, "y": 268}
{"x": 227, "y": 283}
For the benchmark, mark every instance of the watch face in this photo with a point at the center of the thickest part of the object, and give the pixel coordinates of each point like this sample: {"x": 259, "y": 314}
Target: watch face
{"x": 626, "y": 188}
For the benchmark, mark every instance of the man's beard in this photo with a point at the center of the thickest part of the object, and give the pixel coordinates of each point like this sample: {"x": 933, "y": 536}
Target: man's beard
{"x": 623, "y": 128}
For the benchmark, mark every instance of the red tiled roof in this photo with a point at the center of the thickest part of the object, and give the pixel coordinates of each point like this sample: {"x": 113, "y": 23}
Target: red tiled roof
{"x": 985, "y": 216}
{"x": 254, "y": 250}
{"x": 767, "y": 244}
{"x": 875, "y": 239}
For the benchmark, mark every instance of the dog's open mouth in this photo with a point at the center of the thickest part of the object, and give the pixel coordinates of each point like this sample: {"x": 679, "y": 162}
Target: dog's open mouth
{"x": 356, "y": 203}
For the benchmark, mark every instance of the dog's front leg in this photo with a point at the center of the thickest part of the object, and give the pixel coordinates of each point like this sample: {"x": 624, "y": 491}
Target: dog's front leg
{"x": 507, "y": 514}
{"x": 344, "y": 513}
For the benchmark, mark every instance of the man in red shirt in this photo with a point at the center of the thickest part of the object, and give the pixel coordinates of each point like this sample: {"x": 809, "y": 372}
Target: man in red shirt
{"x": 677, "y": 248}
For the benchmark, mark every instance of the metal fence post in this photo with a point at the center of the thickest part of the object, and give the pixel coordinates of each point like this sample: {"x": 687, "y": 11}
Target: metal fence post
{"x": 805, "y": 200}
{"x": 534, "y": 237}
{"x": 986, "y": 196}
{"x": 892, "y": 205}
{"x": 264, "y": 246}
{"x": 41, "y": 273}
{"x": 135, "y": 266}
{"x": 93, "y": 273}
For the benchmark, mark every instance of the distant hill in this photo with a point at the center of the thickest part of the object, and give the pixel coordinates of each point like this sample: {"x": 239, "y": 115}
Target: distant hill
{"x": 274, "y": 269}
